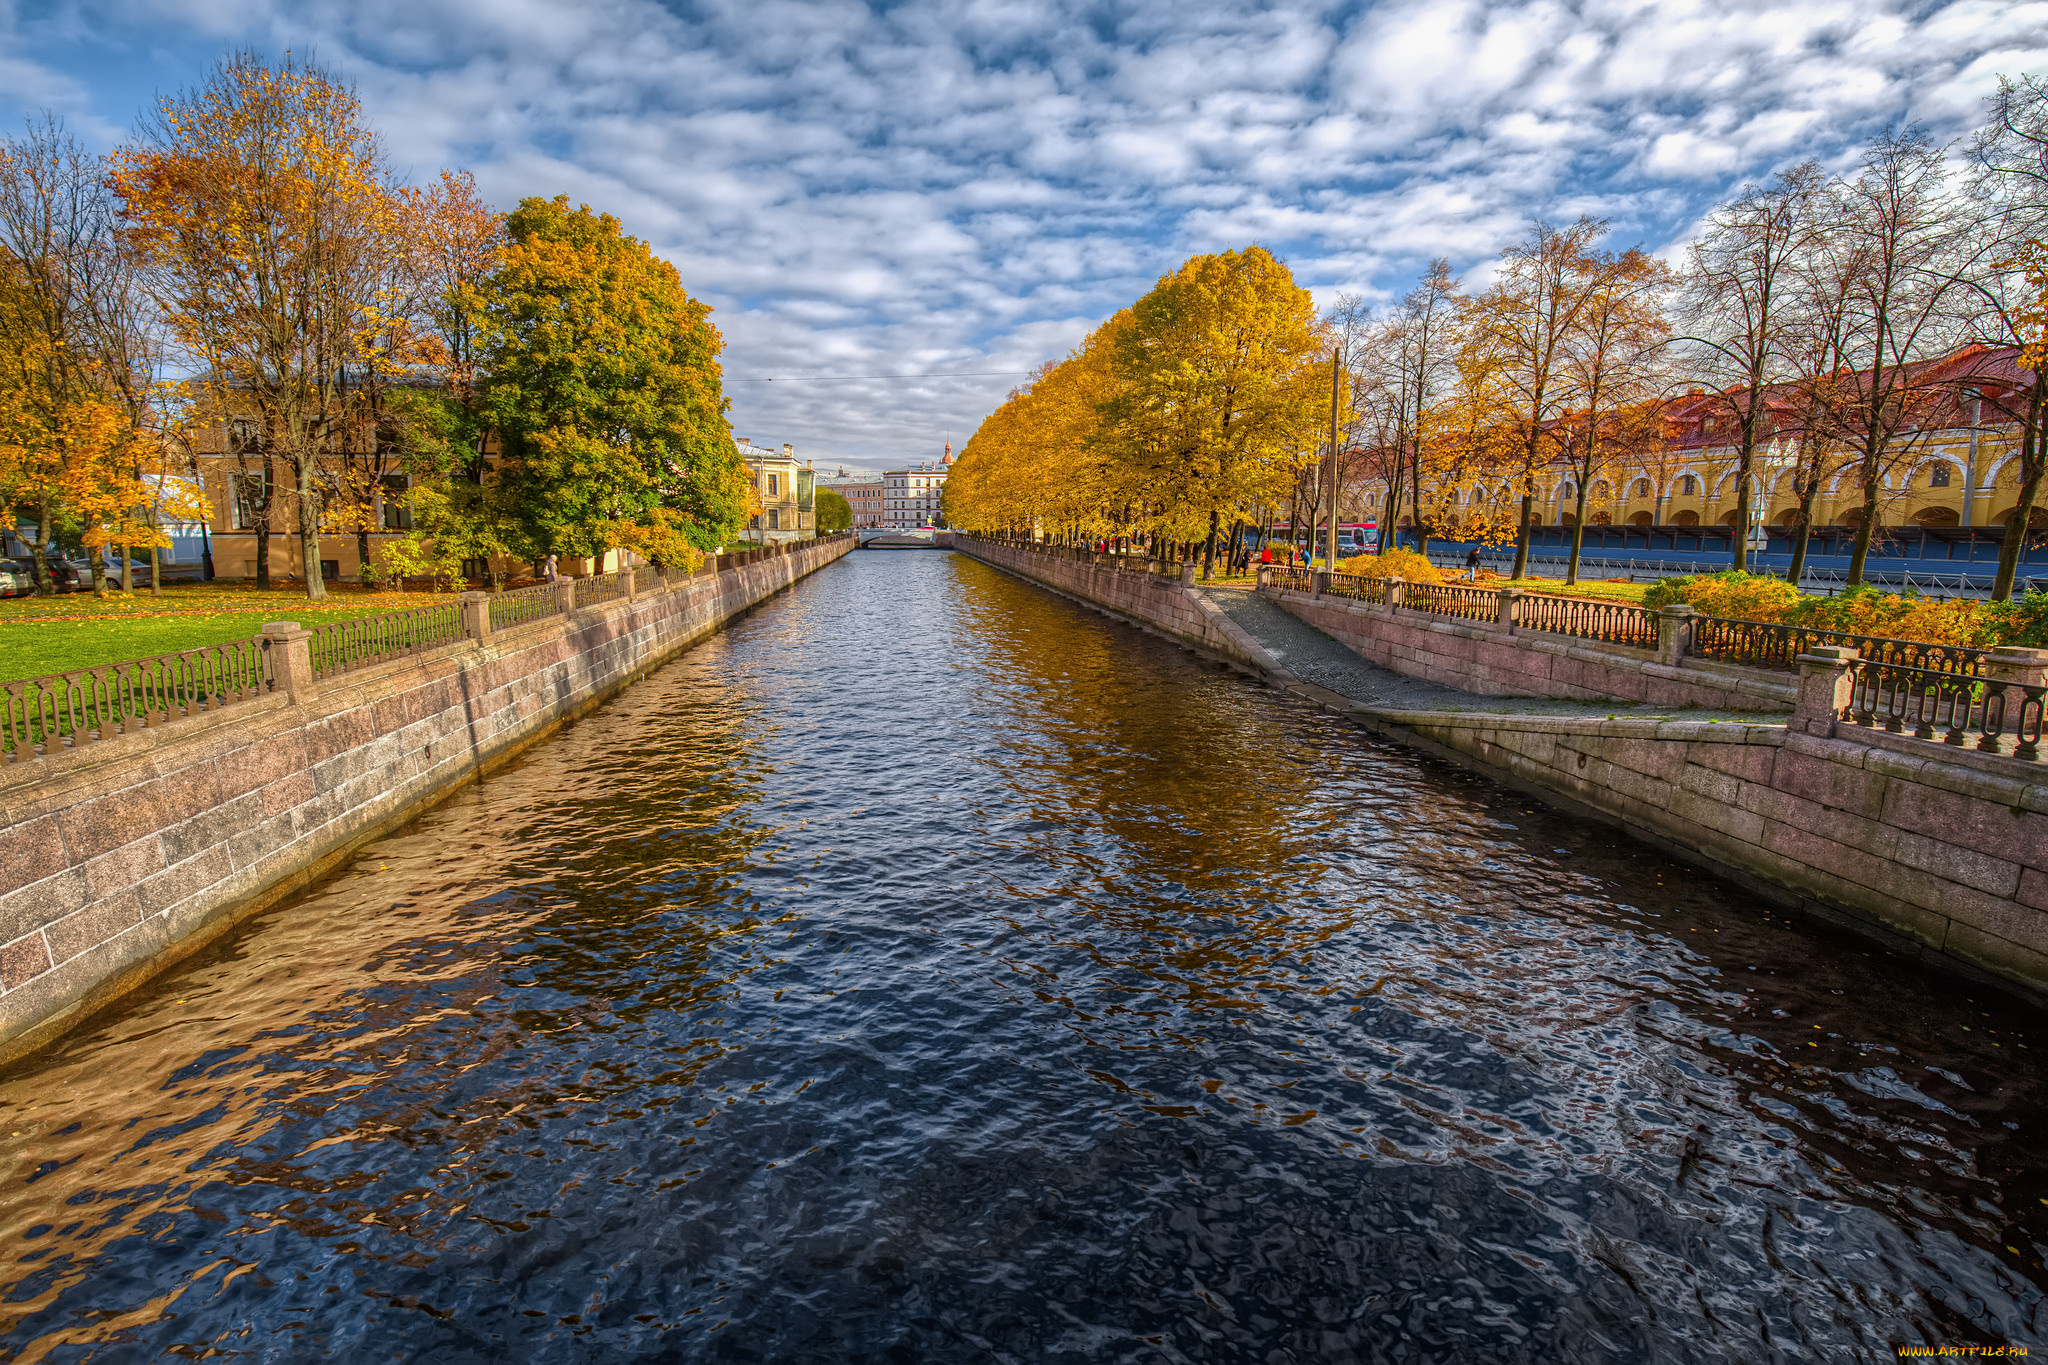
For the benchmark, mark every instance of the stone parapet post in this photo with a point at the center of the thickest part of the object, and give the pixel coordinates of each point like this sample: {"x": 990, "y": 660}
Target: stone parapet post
{"x": 2016, "y": 666}
{"x": 1674, "y": 633}
{"x": 630, "y": 581}
{"x": 1504, "y": 615}
{"x": 1318, "y": 582}
{"x": 476, "y": 616}
{"x": 1827, "y": 682}
{"x": 1265, "y": 577}
{"x": 1187, "y": 575}
{"x": 565, "y": 595}
{"x": 291, "y": 660}
{"x": 1396, "y": 587}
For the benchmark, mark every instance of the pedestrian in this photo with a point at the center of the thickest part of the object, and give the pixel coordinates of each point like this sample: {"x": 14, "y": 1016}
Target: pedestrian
{"x": 1265, "y": 554}
{"x": 1472, "y": 563}
{"x": 551, "y": 568}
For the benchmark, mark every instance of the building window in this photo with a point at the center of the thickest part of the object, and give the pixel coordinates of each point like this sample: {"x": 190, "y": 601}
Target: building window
{"x": 1939, "y": 478}
{"x": 774, "y": 516}
{"x": 1642, "y": 488}
{"x": 1688, "y": 486}
{"x": 250, "y": 496}
{"x": 774, "y": 485}
{"x": 397, "y": 516}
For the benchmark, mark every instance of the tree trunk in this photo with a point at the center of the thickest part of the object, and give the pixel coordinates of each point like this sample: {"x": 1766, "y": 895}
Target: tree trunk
{"x": 1209, "y": 549}
{"x": 1522, "y": 538}
{"x": 263, "y": 524}
{"x": 1571, "y": 571}
{"x": 2014, "y": 547}
{"x": 1743, "y": 464}
{"x": 156, "y": 572}
{"x": 39, "y": 553}
{"x": 309, "y": 528}
{"x": 363, "y": 571}
{"x": 1865, "y": 529}
{"x": 1802, "y": 532}
{"x": 127, "y": 570}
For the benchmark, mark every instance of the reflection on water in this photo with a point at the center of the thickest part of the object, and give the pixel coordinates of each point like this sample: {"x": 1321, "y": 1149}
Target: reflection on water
{"x": 928, "y": 969}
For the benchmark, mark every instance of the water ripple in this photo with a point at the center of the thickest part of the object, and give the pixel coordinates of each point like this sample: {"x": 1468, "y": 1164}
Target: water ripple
{"x": 928, "y": 969}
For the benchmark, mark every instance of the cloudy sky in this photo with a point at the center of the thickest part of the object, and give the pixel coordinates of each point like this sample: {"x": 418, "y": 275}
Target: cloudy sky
{"x": 956, "y": 188}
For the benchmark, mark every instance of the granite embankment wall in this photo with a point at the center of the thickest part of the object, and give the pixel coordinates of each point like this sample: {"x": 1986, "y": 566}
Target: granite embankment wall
{"x": 1503, "y": 660}
{"x": 119, "y": 857}
{"x": 1932, "y": 849}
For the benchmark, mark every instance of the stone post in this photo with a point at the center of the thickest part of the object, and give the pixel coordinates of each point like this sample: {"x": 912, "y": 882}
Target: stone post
{"x": 2017, "y": 666}
{"x": 291, "y": 661}
{"x": 1827, "y": 681}
{"x": 1318, "y": 582}
{"x": 1674, "y": 633}
{"x": 1187, "y": 575}
{"x": 1395, "y": 588}
{"x": 1265, "y": 577}
{"x": 631, "y": 583}
{"x": 565, "y": 595}
{"x": 476, "y": 616}
{"x": 1504, "y": 614}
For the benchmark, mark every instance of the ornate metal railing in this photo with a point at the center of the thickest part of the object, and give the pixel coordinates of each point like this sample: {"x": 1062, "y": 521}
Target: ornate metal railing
{"x": 603, "y": 587}
{"x": 1955, "y": 708}
{"x": 83, "y": 707}
{"x": 1288, "y": 578}
{"x": 521, "y": 605}
{"x": 1356, "y": 588}
{"x": 1442, "y": 599}
{"x": 344, "y": 646}
{"x": 1589, "y": 619}
{"x": 1768, "y": 644}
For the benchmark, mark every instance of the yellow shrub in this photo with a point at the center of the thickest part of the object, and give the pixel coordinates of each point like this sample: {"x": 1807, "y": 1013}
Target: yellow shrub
{"x": 1404, "y": 564}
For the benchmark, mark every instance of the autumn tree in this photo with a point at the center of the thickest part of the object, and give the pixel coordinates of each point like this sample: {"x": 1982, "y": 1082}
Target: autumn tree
{"x": 1891, "y": 238}
{"x": 68, "y": 440}
{"x": 1219, "y": 391}
{"x": 1611, "y": 365}
{"x": 603, "y": 384}
{"x": 260, "y": 201}
{"x": 1515, "y": 339}
{"x": 2006, "y": 290}
{"x": 1736, "y": 308}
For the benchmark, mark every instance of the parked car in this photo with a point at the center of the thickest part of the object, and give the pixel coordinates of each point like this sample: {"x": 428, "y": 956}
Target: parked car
{"x": 15, "y": 579}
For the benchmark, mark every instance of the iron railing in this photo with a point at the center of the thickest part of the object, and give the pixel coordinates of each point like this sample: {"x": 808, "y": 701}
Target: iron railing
{"x": 1617, "y": 623}
{"x": 600, "y": 588}
{"x": 65, "y": 710}
{"x": 1957, "y": 709}
{"x": 1356, "y": 588}
{"x": 1288, "y": 578}
{"x": 344, "y": 646}
{"x": 520, "y": 605}
{"x": 1769, "y": 644}
{"x": 1443, "y": 599}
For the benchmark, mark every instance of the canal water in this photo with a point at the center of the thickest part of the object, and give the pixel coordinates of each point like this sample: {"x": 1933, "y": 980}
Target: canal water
{"x": 926, "y": 969}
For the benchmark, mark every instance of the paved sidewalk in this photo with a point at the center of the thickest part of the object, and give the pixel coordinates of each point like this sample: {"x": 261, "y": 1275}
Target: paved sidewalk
{"x": 1314, "y": 658}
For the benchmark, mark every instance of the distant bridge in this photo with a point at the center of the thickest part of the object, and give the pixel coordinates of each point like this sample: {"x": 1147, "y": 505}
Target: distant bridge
{"x": 924, "y": 538}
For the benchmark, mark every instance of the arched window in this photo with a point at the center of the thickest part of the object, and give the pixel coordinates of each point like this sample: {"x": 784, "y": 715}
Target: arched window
{"x": 1567, "y": 491}
{"x": 1688, "y": 486}
{"x": 1939, "y": 478}
{"x": 1642, "y": 488}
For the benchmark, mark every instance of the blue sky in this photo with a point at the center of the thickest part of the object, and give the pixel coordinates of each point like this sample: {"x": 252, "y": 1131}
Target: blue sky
{"x": 919, "y": 187}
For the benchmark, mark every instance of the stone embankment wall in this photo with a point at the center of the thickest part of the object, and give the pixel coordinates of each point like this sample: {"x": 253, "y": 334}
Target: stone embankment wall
{"x": 1506, "y": 661}
{"x": 1932, "y": 849}
{"x": 125, "y": 855}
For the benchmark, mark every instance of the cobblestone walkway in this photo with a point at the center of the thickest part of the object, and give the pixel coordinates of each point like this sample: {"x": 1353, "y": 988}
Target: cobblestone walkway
{"x": 1315, "y": 658}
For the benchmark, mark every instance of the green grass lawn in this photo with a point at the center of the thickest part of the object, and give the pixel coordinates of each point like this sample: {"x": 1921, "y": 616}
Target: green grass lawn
{"x": 42, "y": 635}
